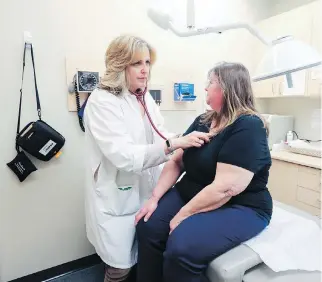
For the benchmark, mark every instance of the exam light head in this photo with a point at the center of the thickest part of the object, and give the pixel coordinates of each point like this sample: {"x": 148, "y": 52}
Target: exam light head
{"x": 162, "y": 20}
{"x": 284, "y": 56}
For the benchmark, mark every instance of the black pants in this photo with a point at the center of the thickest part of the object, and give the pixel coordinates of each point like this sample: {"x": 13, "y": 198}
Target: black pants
{"x": 185, "y": 254}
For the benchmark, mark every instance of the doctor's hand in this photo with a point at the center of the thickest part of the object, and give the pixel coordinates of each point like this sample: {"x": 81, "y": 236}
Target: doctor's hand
{"x": 147, "y": 210}
{"x": 193, "y": 139}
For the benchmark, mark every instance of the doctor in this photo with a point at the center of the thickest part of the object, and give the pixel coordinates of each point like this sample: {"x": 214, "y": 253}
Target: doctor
{"x": 124, "y": 153}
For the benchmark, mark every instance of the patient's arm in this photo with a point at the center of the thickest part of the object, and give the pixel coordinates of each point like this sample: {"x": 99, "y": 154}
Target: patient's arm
{"x": 230, "y": 180}
{"x": 169, "y": 175}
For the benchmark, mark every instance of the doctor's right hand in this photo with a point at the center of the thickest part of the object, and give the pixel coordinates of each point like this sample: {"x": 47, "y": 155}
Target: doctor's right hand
{"x": 193, "y": 139}
{"x": 147, "y": 210}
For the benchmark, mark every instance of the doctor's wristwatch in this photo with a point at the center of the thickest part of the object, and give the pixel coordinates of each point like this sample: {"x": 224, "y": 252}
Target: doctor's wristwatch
{"x": 169, "y": 143}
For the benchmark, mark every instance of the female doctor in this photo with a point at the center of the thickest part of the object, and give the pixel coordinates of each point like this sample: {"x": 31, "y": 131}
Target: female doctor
{"x": 124, "y": 152}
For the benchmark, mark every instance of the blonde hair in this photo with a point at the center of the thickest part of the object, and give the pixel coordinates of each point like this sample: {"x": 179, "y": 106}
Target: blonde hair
{"x": 238, "y": 98}
{"x": 120, "y": 54}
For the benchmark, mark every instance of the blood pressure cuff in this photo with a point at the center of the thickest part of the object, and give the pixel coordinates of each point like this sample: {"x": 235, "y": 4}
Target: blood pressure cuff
{"x": 22, "y": 166}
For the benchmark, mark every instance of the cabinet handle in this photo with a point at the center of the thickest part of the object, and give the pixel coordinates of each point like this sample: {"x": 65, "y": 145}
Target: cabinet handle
{"x": 279, "y": 88}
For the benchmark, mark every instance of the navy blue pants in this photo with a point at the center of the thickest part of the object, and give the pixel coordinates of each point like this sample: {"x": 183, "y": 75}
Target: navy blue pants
{"x": 185, "y": 254}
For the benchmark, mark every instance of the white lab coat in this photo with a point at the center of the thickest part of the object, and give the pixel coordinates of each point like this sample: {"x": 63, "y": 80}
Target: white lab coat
{"x": 116, "y": 184}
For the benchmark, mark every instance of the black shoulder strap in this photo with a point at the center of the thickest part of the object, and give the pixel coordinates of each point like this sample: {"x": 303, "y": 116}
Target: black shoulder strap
{"x": 36, "y": 88}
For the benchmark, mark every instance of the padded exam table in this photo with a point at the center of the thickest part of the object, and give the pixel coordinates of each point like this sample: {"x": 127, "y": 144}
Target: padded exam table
{"x": 242, "y": 264}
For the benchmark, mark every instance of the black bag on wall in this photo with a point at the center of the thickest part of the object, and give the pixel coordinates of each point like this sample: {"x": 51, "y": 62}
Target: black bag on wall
{"x": 37, "y": 138}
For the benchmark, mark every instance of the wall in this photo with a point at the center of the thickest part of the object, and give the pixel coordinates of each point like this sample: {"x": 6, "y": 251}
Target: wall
{"x": 214, "y": 48}
{"x": 42, "y": 219}
{"x": 306, "y": 113}
{"x": 281, "y": 6}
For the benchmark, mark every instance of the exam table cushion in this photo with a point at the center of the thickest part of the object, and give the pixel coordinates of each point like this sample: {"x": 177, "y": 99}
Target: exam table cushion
{"x": 243, "y": 264}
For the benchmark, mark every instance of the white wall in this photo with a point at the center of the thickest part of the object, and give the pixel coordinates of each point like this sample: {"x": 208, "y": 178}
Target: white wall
{"x": 42, "y": 219}
{"x": 281, "y": 6}
{"x": 306, "y": 113}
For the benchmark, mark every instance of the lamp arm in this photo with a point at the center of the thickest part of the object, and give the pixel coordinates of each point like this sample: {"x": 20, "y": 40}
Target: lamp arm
{"x": 220, "y": 29}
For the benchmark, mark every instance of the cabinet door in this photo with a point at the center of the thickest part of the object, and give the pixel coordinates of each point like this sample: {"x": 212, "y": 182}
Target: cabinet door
{"x": 314, "y": 84}
{"x": 295, "y": 185}
{"x": 309, "y": 190}
{"x": 299, "y": 84}
{"x": 265, "y": 88}
{"x": 282, "y": 181}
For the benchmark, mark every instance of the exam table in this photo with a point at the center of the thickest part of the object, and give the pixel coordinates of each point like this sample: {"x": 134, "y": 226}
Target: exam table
{"x": 242, "y": 264}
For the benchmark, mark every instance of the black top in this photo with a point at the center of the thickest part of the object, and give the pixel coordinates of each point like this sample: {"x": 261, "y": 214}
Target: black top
{"x": 243, "y": 144}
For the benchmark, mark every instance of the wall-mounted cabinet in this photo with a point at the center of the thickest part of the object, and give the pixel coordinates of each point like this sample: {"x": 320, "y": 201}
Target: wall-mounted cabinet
{"x": 267, "y": 88}
{"x": 303, "y": 23}
{"x": 278, "y": 87}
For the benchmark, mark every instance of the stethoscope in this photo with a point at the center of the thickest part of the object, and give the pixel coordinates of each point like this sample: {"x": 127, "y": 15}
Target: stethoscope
{"x": 140, "y": 96}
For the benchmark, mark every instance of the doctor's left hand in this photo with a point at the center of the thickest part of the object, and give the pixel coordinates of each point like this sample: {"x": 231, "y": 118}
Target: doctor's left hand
{"x": 147, "y": 210}
{"x": 179, "y": 217}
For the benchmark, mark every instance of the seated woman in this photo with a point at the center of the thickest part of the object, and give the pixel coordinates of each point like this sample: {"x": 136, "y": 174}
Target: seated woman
{"x": 222, "y": 200}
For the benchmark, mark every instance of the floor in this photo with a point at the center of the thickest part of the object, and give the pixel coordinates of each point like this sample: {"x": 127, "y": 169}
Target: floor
{"x": 91, "y": 274}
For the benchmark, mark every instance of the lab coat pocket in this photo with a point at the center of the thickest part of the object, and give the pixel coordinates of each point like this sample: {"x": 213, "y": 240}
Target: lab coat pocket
{"x": 127, "y": 193}
{"x": 117, "y": 191}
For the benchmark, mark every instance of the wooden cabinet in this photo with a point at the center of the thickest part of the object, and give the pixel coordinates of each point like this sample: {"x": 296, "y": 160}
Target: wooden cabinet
{"x": 278, "y": 87}
{"x": 304, "y": 24}
{"x": 267, "y": 88}
{"x": 296, "y": 185}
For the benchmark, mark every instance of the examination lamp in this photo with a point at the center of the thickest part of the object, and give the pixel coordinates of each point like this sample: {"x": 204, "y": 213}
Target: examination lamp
{"x": 284, "y": 55}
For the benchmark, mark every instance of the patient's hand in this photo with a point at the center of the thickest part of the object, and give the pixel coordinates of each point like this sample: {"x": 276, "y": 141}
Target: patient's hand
{"x": 178, "y": 218}
{"x": 147, "y": 210}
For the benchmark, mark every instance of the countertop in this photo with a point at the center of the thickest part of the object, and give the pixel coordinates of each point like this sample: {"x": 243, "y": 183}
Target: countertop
{"x": 297, "y": 158}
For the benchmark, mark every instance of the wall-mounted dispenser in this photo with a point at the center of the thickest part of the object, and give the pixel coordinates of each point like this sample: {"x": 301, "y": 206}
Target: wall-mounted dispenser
{"x": 184, "y": 92}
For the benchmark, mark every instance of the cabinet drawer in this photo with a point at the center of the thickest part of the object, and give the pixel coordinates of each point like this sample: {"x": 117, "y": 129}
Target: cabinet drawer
{"x": 309, "y": 178}
{"x": 308, "y": 197}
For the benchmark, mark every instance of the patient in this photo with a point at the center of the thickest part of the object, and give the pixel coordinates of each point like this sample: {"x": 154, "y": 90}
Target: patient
{"x": 222, "y": 199}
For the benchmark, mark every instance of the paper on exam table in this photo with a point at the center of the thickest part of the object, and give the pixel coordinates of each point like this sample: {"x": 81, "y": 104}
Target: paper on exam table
{"x": 290, "y": 242}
